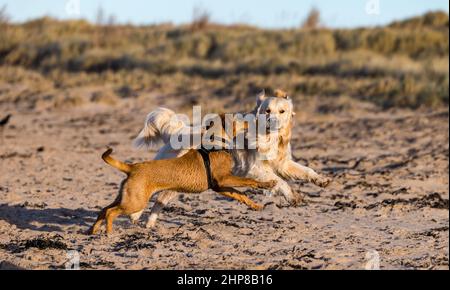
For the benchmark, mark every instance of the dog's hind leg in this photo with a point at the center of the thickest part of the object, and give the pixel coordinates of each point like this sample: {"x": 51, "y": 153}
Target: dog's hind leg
{"x": 94, "y": 228}
{"x": 166, "y": 152}
{"x": 111, "y": 214}
{"x": 163, "y": 199}
{"x": 134, "y": 217}
{"x": 235, "y": 194}
{"x": 101, "y": 217}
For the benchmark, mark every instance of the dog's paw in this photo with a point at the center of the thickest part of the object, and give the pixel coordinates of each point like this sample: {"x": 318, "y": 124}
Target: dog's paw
{"x": 257, "y": 207}
{"x": 150, "y": 224}
{"x": 322, "y": 181}
{"x": 151, "y": 221}
{"x": 295, "y": 199}
{"x": 92, "y": 231}
{"x": 267, "y": 185}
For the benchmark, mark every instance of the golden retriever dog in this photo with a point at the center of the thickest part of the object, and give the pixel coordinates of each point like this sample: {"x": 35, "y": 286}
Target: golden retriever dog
{"x": 163, "y": 124}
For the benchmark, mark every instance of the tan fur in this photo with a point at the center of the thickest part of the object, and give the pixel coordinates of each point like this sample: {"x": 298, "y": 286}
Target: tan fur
{"x": 183, "y": 174}
{"x": 280, "y": 94}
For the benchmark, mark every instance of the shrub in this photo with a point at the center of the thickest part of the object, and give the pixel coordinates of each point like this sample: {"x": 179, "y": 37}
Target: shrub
{"x": 402, "y": 64}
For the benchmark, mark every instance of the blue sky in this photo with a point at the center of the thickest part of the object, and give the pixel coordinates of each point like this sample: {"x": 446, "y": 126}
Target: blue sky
{"x": 264, "y": 13}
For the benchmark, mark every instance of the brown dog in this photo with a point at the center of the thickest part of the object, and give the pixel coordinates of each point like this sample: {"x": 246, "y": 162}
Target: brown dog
{"x": 183, "y": 174}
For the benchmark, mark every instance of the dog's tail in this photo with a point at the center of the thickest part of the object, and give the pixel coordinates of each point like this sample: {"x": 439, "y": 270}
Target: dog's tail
{"x": 159, "y": 126}
{"x": 126, "y": 168}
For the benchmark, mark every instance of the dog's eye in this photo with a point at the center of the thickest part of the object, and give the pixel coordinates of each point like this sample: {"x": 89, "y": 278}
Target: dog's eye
{"x": 268, "y": 111}
{"x": 281, "y": 111}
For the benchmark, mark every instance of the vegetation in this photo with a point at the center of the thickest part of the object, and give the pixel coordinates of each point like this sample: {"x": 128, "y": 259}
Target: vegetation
{"x": 312, "y": 21}
{"x": 404, "y": 64}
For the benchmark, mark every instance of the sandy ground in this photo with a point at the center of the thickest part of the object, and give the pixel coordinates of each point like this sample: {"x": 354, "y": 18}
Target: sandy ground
{"x": 389, "y": 195}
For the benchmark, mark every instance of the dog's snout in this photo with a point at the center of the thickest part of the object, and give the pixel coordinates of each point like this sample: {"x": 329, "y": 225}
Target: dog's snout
{"x": 272, "y": 122}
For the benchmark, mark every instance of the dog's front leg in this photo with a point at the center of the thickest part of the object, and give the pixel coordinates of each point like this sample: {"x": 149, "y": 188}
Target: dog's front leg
{"x": 237, "y": 195}
{"x": 294, "y": 171}
{"x": 263, "y": 173}
{"x": 283, "y": 188}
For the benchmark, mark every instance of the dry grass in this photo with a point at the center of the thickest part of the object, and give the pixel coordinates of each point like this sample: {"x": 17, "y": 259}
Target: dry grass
{"x": 404, "y": 64}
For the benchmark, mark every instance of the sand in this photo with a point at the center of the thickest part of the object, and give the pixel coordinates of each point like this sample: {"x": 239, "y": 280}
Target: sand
{"x": 388, "y": 199}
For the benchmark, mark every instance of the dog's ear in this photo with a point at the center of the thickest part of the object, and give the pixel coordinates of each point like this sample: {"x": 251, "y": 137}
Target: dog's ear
{"x": 280, "y": 94}
{"x": 260, "y": 97}
{"x": 222, "y": 118}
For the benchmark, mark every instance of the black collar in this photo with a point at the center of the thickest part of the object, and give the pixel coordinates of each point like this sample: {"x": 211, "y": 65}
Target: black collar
{"x": 212, "y": 184}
